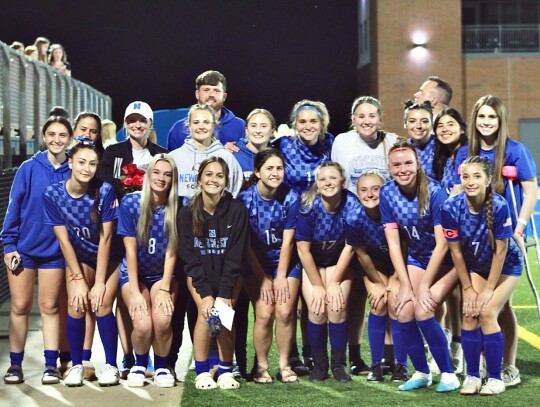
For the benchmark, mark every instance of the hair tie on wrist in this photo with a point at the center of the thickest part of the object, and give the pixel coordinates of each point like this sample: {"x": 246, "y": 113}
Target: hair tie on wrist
{"x": 167, "y": 291}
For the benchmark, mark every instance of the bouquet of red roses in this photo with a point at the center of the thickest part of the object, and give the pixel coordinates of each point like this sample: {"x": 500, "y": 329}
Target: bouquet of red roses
{"x": 132, "y": 179}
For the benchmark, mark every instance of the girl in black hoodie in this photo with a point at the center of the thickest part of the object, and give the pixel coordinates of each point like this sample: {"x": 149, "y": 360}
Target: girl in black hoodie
{"x": 213, "y": 234}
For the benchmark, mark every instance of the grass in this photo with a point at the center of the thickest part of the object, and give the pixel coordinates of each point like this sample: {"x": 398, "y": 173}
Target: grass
{"x": 359, "y": 391}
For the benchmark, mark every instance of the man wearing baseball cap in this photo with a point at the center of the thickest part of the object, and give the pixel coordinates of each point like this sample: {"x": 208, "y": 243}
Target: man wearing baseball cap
{"x": 137, "y": 149}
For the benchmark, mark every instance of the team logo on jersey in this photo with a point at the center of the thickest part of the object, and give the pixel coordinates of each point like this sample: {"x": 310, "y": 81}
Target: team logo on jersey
{"x": 508, "y": 222}
{"x": 212, "y": 233}
{"x": 450, "y": 233}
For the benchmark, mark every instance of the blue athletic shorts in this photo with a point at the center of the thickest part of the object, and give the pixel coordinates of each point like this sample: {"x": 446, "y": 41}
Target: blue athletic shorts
{"x": 34, "y": 262}
{"x": 295, "y": 272}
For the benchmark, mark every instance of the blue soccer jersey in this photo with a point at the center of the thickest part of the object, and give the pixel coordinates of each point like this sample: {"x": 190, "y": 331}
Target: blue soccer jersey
{"x": 517, "y": 155}
{"x": 325, "y": 231}
{"x": 361, "y": 230}
{"x": 245, "y": 158}
{"x": 425, "y": 155}
{"x": 399, "y": 209}
{"x": 151, "y": 256}
{"x": 268, "y": 220}
{"x": 447, "y": 181}
{"x": 61, "y": 209}
{"x": 301, "y": 160}
{"x": 460, "y": 225}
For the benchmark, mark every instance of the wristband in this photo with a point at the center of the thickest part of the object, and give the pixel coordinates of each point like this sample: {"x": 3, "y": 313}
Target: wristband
{"x": 522, "y": 221}
{"x": 167, "y": 291}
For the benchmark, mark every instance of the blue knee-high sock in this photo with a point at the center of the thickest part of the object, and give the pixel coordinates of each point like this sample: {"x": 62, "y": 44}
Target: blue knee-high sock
{"x": 399, "y": 347}
{"x": 202, "y": 366}
{"x": 376, "y": 332}
{"x": 338, "y": 336}
{"x": 76, "y": 329}
{"x": 438, "y": 345}
{"x": 493, "y": 351}
{"x": 225, "y": 367}
{"x": 108, "y": 331}
{"x": 213, "y": 359}
{"x": 51, "y": 356}
{"x": 160, "y": 362}
{"x": 318, "y": 334}
{"x": 86, "y": 354}
{"x": 142, "y": 360}
{"x": 471, "y": 342}
{"x": 16, "y": 358}
{"x": 414, "y": 345}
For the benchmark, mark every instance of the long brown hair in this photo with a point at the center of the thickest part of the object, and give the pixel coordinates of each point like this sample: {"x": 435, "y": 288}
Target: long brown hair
{"x": 502, "y": 136}
{"x": 422, "y": 190}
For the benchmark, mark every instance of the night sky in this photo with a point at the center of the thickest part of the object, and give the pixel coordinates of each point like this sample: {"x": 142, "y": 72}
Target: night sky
{"x": 273, "y": 53}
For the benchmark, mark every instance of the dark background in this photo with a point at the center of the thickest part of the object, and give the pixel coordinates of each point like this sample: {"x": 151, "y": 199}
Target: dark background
{"x": 273, "y": 53}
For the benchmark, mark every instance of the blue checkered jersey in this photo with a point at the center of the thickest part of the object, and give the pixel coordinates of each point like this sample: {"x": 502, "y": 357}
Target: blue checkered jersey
{"x": 302, "y": 160}
{"x": 425, "y": 155}
{"x": 61, "y": 209}
{"x": 325, "y": 231}
{"x": 396, "y": 208}
{"x": 460, "y": 225}
{"x": 268, "y": 220}
{"x": 361, "y": 230}
{"x": 517, "y": 155}
{"x": 447, "y": 181}
{"x": 151, "y": 256}
{"x": 245, "y": 157}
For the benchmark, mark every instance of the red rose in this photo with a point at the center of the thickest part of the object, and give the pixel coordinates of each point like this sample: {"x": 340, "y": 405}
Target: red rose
{"x": 129, "y": 169}
{"x": 127, "y": 182}
{"x": 137, "y": 180}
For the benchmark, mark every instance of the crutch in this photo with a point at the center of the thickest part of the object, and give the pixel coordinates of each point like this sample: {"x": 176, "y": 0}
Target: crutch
{"x": 511, "y": 175}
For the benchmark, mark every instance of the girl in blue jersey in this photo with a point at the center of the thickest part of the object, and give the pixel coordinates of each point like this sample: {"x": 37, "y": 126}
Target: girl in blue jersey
{"x": 147, "y": 221}
{"x": 365, "y": 234}
{"x": 410, "y": 205}
{"x": 260, "y": 127}
{"x": 489, "y": 138}
{"x": 478, "y": 228}
{"x": 323, "y": 253}
{"x": 418, "y": 121}
{"x": 275, "y": 280}
{"x": 451, "y": 131}
{"x": 213, "y": 236}
{"x": 309, "y": 147}
{"x": 82, "y": 211}
{"x": 31, "y": 249}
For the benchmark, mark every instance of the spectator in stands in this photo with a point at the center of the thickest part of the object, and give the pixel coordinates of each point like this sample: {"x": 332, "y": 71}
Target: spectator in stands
{"x": 435, "y": 90}
{"x": 211, "y": 90}
{"x": 31, "y": 52}
{"x": 42, "y": 46}
{"x": 58, "y": 59}
{"x": 108, "y": 133}
{"x": 17, "y": 46}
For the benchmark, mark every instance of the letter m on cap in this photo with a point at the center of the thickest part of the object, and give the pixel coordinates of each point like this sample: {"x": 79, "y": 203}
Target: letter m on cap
{"x": 136, "y": 105}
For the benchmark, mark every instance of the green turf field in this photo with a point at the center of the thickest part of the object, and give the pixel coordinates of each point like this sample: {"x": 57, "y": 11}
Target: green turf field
{"x": 360, "y": 392}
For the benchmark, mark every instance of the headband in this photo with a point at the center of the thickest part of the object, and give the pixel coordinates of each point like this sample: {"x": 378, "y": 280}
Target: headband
{"x": 307, "y": 107}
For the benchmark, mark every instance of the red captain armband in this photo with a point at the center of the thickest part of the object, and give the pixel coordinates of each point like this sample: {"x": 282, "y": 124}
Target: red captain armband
{"x": 390, "y": 226}
{"x": 510, "y": 172}
{"x": 450, "y": 233}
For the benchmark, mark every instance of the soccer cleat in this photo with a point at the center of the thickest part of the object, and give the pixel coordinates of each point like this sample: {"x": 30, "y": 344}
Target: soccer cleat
{"x": 510, "y": 375}
{"x": 376, "y": 374}
{"x": 298, "y": 367}
{"x": 163, "y": 378}
{"x": 471, "y": 385}
{"x": 456, "y": 356}
{"x": 449, "y": 382}
{"x": 127, "y": 363}
{"x": 359, "y": 367}
{"x": 418, "y": 380}
{"x": 492, "y": 387}
{"x": 109, "y": 376}
{"x": 388, "y": 366}
{"x": 401, "y": 374}
{"x": 74, "y": 376}
{"x": 136, "y": 376}
{"x": 340, "y": 374}
{"x": 319, "y": 371}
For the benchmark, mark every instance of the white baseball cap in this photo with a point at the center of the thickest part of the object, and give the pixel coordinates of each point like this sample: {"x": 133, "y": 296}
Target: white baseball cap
{"x": 141, "y": 108}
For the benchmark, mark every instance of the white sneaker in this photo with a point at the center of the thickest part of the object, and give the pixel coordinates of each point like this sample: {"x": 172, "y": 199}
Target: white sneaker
{"x": 74, "y": 376}
{"x": 492, "y": 387}
{"x": 136, "y": 376}
{"x": 510, "y": 375}
{"x": 418, "y": 380}
{"x": 163, "y": 378}
{"x": 109, "y": 376}
{"x": 456, "y": 356}
{"x": 471, "y": 385}
{"x": 449, "y": 382}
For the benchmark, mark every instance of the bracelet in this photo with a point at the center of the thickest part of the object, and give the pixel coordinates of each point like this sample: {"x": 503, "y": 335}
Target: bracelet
{"x": 465, "y": 289}
{"x": 167, "y": 291}
{"x": 522, "y": 221}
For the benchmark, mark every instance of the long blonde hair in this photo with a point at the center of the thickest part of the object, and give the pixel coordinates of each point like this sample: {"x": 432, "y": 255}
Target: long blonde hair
{"x": 309, "y": 196}
{"x": 171, "y": 207}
